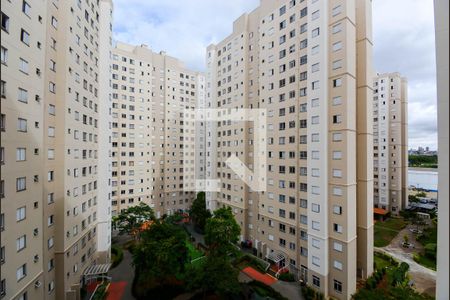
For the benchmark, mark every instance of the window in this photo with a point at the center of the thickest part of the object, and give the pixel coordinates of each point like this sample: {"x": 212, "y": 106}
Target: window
{"x": 22, "y": 95}
{"x": 337, "y": 64}
{"x": 336, "y": 10}
{"x": 50, "y": 198}
{"x": 21, "y": 125}
{"x": 52, "y": 87}
{"x": 21, "y": 243}
{"x": 2, "y": 155}
{"x": 316, "y": 280}
{"x": 337, "y": 155}
{"x": 315, "y": 67}
{"x": 337, "y": 173}
{"x": 337, "y": 46}
{"x": 50, "y": 220}
{"x": 26, "y": 8}
{"x": 303, "y": 203}
{"x": 50, "y": 176}
{"x": 25, "y": 37}
{"x": 315, "y": 225}
{"x": 337, "y": 209}
{"x": 3, "y": 89}
{"x": 4, "y": 55}
{"x": 5, "y": 22}
{"x": 315, "y": 50}
{"x": 337, "y": 100}
{"x": 315, "y": 32}
{"x": 337, "y": 137}
{"x": 338, "y": 286}
{"x": 21, "y": 154}
{"x": 51, "y": 109}
{"x": 50, "y": 242}
{"x": 315, "y": 243}
{"x": 21, "y": 184}
{"x": 337, "y": 28}
{"x": 315, "y": 15}
{"x": 337, "y": 246}
{"x": 21, "y": 213}
{"x": 316, "y": 261}
{"x": 51, "y": 131}
{"x": 315, "y": 207}
{"x": 337, "y": 82}
{"x": 23, "y": 66}
{"x": 2, "y": 255}
{"x": 54, "y": 22}
{"x": 337, "y": 265}
{"x": 51, "y": 153}
{"x": 337, "y": 228}
{"x": 21, "y": 272}
{"x": 337, "y": 191}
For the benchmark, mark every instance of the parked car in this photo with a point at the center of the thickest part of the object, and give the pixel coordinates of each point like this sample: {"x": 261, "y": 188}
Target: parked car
{"x": 407, "y": 245}
{"x": 415, "y": 230}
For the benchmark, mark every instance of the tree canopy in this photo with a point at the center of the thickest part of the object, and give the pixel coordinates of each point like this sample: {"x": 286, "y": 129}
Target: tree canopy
{"x": 222, "y": 232}
{"x": 161, "y": 253}
{"x": 130, "y": 220}
{"x": 198, "y": 211}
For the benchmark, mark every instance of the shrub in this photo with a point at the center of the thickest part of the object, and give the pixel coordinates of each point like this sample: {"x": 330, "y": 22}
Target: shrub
{"x": 117, "y": 256}
{"x": 311, "y": 294}
{"x": 265, "y": 290}
{"x": 287, "y": 277}
{"x": 430, "y": 250}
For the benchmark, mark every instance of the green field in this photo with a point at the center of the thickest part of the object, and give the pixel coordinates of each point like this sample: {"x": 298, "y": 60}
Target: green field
{"x": 385, "y": 231}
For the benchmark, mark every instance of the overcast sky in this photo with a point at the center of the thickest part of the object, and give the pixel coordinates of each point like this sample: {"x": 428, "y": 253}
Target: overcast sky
{"x": 403, "y": 32}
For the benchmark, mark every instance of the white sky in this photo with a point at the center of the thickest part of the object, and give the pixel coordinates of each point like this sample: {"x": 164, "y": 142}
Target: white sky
{"x": 403, "y": 32}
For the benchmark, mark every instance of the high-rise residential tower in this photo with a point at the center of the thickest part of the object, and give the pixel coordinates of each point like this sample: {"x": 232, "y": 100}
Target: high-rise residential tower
{"x": 150, "y": 93}
{"x": 55, "y": 99}
{"x": 390, "y": 142}
{"x": 309, "y": 65}
{"x": 441, "y": 17}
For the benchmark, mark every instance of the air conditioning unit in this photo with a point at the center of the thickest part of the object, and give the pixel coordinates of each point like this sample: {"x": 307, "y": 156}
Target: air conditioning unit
{"x": 37, "y": 284}
{"x": 36, "y": 258}
{"x": 35, "y": 232}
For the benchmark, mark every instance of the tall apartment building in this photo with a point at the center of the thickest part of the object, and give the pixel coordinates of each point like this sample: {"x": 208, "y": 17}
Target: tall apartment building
{"x": 441, "y": 17}
{"x": 54, "y": 56}
{"x": 390, "y": 142}
{"x": 308, "y": 63}
{"x": 150, "y": 93}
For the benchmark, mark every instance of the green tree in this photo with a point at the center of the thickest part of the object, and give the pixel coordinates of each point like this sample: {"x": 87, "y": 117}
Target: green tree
{"x": 222, "y": 232}
{"x": 198, "y": 211}
{"x": 215, "y": 275}
{"x": 161, "y": 254}
{"x": 130, "y": 220}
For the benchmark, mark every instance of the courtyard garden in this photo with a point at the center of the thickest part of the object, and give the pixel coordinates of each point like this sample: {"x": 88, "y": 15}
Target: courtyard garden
{"x": 385, "y": 231}
{"x": 389, "y": 281}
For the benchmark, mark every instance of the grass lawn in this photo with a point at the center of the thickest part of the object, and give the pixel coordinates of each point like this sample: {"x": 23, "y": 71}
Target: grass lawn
{"x": 425, "y": 261}
{"x": 193, "y": 253}
{"x": 385, "y": 231}
{"x": 382, "y": 261}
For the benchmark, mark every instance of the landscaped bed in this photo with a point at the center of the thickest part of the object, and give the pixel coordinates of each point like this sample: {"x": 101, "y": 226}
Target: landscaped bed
{"x": 385, "y": 231}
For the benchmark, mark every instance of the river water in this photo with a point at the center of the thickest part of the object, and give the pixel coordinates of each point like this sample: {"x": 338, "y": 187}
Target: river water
{"x": 426, "y": 179}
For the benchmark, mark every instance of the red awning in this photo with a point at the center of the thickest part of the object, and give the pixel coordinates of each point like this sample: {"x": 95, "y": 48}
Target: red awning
{"x": 379, "y": 211}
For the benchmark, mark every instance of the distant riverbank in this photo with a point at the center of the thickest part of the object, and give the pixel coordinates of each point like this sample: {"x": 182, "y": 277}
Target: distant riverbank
{"x": 423, "y": 169}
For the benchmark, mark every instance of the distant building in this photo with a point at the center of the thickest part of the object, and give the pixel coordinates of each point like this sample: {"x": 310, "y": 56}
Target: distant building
{"x": 390, "y": 142}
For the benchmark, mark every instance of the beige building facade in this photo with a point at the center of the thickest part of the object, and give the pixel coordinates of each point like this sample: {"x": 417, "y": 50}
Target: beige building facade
{"x": 151, "y": 91}
{"x": 309, "y": 65}
{"x": 441, "y": 17}
{"x": 50, "y": 122}
{"x": 390, "y": 134}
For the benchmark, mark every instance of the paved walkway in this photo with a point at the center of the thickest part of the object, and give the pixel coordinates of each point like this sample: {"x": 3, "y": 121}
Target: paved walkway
{"x": 122, "y": 275}
{"x": 424, "y": 278}
{"x": 290, "y": 290}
